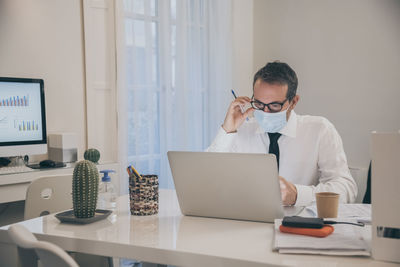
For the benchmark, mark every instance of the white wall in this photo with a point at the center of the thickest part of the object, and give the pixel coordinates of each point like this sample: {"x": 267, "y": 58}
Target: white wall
{"x": 43, "y": 39}
{"x": 242, "y": 20}
{"x": 347, "y": 58}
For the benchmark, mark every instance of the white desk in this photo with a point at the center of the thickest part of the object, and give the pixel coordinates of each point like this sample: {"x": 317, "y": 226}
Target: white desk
{"x": 13, "y": 186}
{"x": 171, "y": 238}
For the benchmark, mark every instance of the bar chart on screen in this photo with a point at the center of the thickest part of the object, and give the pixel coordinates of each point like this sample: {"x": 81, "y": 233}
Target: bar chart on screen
{"x": 26, "y": 125}
{"x": 15, "y": 101}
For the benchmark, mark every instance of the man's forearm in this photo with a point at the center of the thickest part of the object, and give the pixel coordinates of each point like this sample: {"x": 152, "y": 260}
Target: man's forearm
{"x": 223, "y": 142}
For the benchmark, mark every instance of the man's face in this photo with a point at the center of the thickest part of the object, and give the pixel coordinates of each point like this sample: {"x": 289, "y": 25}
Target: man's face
{"x": 274, "y": 93}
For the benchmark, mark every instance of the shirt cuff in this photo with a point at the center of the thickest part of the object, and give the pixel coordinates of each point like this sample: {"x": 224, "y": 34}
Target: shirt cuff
{"x": 305, "y": 195}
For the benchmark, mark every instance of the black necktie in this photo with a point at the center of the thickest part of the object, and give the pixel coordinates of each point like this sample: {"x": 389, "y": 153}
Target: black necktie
{"x": 273, "y": 145}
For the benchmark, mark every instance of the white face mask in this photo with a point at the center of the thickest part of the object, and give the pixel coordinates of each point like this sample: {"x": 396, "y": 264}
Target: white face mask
{"x": 271, "y": 122}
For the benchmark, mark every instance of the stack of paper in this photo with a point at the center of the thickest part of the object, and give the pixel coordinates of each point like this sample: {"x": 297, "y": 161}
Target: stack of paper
{"x": 360, "y": 212}
{"x": 346, "y": 239}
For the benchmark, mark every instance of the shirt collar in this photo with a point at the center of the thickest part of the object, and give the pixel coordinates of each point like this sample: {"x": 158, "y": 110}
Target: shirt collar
{"x": 290, "y": 128}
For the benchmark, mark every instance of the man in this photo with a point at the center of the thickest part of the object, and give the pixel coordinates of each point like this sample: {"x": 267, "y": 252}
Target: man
{"x": 309, "y": 150}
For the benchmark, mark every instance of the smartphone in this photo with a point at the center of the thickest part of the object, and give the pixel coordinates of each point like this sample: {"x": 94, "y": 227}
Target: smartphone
{"x": 303, "y": 222}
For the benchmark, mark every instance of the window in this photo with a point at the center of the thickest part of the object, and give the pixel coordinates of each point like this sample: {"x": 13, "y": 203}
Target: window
{"x": 168, "y": 66}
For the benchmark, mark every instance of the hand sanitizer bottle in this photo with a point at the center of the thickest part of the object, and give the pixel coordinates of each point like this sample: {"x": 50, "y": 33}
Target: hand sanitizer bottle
{"x": 107, "y": 195}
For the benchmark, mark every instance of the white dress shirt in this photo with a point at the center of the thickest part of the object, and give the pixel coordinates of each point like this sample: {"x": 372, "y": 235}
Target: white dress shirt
{"x": 311, "y": 155}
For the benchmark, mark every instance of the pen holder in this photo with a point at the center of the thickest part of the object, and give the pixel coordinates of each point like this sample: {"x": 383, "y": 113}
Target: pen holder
{"x": 143, "y": 195}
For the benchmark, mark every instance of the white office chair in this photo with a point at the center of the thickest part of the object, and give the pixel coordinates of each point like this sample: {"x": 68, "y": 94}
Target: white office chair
{"x": 360, "y": 177}
{"x": 47, "y": 195}
{"x": 52, "y": 194}
{"x": 49, "y": 254}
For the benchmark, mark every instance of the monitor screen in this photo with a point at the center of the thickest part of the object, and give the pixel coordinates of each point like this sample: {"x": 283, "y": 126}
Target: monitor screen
{"x": 22, "y": 113}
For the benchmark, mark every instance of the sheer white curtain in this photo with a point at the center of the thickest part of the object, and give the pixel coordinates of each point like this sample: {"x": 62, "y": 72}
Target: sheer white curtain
{"x": 174, "y": 66}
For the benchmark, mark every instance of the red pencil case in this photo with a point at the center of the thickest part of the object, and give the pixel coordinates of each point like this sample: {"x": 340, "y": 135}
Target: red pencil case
{"x": 322, "y": 232}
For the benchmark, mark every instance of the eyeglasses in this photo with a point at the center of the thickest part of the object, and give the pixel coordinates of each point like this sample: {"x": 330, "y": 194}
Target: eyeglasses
{"x": 272, "y": 107}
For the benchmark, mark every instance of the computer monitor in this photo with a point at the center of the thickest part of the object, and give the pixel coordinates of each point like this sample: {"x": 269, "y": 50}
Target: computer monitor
{"x": 22, "y": 117}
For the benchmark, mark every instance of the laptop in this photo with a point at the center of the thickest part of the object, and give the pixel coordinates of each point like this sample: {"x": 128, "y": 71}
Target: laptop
{"x": 227, "y": 185}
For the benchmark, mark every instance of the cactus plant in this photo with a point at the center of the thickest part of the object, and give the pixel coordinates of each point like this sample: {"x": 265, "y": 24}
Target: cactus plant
{"x": 85, "y": 186}
{"x": 92, "y": 154}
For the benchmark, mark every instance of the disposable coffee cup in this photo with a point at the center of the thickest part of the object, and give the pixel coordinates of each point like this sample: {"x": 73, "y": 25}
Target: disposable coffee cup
{"x": 327, "y": 204}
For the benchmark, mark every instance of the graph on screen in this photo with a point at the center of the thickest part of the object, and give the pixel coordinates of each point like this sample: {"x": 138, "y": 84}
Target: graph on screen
{"x": 26, "y": 125}
{"x": 20, "y": 112}
{"x": 15, "y": 101}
